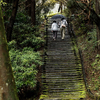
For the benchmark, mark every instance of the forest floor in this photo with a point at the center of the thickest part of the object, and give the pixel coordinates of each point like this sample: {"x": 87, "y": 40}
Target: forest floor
{"x": 91, "y": 64}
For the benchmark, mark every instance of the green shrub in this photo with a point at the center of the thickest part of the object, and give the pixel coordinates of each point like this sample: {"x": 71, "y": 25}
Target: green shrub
{"x": 91, "y": 40}
{"x": 24, "y": 64}
{"x": 34, "y": 42}
{"x": 22, "y": 30}
{"x": 27, "y": 36}
{"x": 12, "y": 44}
{"x": 96, "y": 63}
{"x": 21, "y": 17}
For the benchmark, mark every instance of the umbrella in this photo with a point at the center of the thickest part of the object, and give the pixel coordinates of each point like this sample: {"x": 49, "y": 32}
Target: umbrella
{"x": 58, "y": 16}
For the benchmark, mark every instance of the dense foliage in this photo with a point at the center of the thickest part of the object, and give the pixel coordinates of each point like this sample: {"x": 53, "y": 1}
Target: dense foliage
{"x": 24, "y": 48}
{"x": 24, "y": 53}
{"x": 24, "y": 64}
{"x": 86, "y": 31}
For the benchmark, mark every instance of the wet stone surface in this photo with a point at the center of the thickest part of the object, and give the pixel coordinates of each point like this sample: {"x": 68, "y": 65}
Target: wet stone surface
{"x": 63, "y": 79}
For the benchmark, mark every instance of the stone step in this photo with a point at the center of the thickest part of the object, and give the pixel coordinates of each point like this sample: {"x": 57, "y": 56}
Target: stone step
{"x": 58, "y": 36}
{"x": 60, "y": 44}
{"x": 68, "y": 77}
{"x": 60, "y": 60}
{"x": 61, "y": 76}
{"x": 68, "y": 84}
{"x": 62, "y": 84}
{"x": 61, "y": 56}
{"x": 62, "y": 65}
{"x": 61, "y": 91}
{"x": 55, "y": 50}
{"x": 61, "y": 79}
{"x": 60, "y": 71}
{"x": 58, "y": 94}
{"x": 62, "y": 96}
{"x": 50, "y": 39}
{"x": 60, "y": 53}
{"x": 71, "y": 89}
{"x": 58, "y": 33}
{"x": 66, "y": 67}
{"x": 59, "y": 85}
{"x": 59, "y": 98}
{"x": 48, "y": 70}
{"x": 63, "y": 68}
{"x": 55, "y": 61}
{"x": 59, "y": 47}
{"x": 59, "y": 41}
{"x": 58, "y": 67}
{"x": 64, "y": 89}
{"x": 67, "y": 63}
{"x": 64, "y": 74}
{"x": 67, "y": 38}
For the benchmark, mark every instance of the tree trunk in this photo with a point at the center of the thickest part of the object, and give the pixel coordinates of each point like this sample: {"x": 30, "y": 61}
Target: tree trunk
{"x": 33, "y": 17}
{"x": 98, "y": 31}
{"x": 12, "y": 20}
{"x": 28, "y": 7}
{"x": 7, "y": 83}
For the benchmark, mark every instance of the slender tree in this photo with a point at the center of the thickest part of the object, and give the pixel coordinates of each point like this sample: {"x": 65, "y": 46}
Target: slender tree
{"x": 7, "y": 83}
{"x": 28, "y": 7}
{"x": 98, "y": 31}
{"x": 12, "y": 20}
{"x": 33, "y": 15}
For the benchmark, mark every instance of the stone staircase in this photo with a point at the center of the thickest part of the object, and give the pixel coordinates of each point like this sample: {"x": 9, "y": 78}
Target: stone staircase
{"x": 62, "y": 77}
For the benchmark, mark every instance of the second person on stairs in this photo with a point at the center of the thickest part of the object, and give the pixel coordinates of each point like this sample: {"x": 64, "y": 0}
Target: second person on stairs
{"x": 63, "y": 25}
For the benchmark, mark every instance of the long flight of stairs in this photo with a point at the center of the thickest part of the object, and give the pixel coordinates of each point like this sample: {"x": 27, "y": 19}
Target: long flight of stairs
{"x": 62, "y": 77}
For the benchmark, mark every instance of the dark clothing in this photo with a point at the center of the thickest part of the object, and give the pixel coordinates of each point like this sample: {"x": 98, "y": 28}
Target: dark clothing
{"x": 54, "y": 34}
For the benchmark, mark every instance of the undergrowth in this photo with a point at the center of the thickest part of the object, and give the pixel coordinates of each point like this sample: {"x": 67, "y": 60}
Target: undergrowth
{"x": 24, "y": 49}
{"x": 91, "y": 59}
{"x": 24, "y": 64}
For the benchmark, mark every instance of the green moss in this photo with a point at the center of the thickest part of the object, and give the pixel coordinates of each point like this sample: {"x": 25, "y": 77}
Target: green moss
{"x": 43, "y": 96}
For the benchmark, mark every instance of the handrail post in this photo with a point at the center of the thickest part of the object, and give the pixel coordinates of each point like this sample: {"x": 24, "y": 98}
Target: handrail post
{"x": 46, "y": 18}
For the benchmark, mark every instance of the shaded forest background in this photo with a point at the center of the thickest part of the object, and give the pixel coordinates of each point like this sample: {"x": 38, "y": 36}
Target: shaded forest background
{"x": 24, "y": 22}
